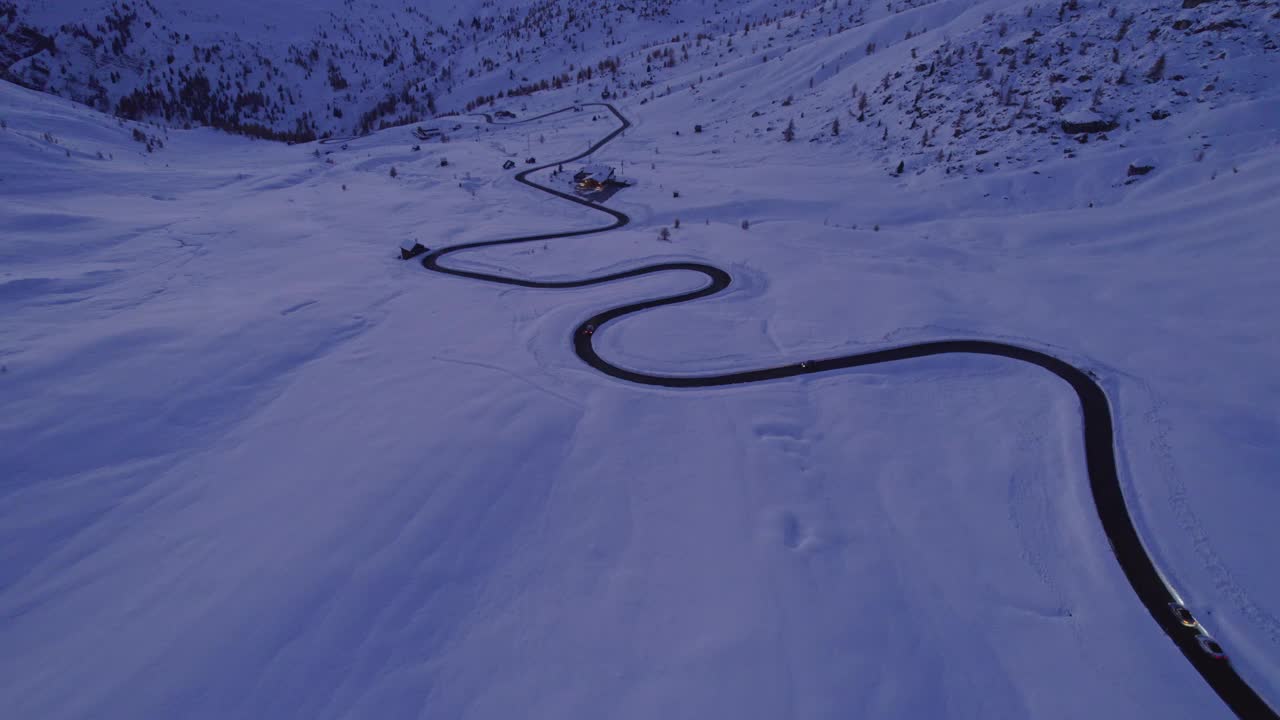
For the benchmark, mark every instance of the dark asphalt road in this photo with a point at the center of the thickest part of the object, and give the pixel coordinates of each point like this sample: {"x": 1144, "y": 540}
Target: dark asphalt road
{"x": 1099, "y": 441}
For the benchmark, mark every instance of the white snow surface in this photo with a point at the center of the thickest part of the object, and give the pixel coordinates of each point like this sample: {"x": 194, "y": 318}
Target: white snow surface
{"x": 252, "y": 465}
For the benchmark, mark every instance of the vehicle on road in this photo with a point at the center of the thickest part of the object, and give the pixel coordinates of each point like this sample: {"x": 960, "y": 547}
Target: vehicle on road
{"x": 1211, "y": 647}
{"x": 588, "y": 329}
{"x": 1183, "y": 614}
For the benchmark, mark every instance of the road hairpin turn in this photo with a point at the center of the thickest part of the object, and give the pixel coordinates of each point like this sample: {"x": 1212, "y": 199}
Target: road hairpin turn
{"x": 1099, "y": 441}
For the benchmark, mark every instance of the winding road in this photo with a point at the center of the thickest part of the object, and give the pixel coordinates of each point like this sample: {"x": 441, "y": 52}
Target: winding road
{"x": 1099, "y": 443}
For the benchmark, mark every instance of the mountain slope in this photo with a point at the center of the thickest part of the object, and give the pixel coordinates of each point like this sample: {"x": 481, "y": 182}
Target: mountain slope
{"x": 252, "y": 465}
{"x": 929, "y": 82}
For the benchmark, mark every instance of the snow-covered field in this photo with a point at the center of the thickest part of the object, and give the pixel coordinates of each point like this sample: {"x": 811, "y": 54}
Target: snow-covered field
{"x": 252, "y": 465}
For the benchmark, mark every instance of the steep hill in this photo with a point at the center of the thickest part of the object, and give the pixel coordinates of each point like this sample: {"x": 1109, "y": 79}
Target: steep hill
{"x": 296, "y": 69}
{"x": 957, "y": 85}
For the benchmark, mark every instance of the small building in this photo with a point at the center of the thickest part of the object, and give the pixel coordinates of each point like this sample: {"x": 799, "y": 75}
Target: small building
{"x": 411, "y": 248}
{"x": 593, "y": 177}
{"x": 505, "y": 115}
{"x": 423, "y": 133}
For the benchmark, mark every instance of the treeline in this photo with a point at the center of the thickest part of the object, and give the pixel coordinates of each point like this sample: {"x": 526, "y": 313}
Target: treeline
{"x": 374, "y": 118}
{"x": 196, "y": 102}
{"x": 586, "y": 74}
